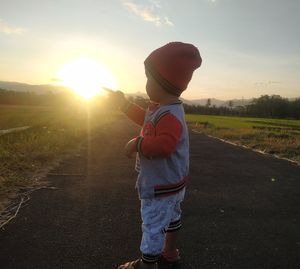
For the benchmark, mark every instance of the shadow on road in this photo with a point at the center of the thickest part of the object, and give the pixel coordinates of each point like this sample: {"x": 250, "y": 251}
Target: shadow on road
{"x": 241, "y": 210}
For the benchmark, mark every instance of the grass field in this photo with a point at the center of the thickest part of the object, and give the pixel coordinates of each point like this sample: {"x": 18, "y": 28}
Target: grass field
{"x": 274, "y": 136}
{"x": 57, "y": 132}
{"x": 54, "y": 132}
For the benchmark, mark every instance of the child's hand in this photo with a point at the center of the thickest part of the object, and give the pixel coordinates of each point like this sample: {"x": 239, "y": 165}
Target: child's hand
{"x": 117, "y": 98}
{"x": 130, "y": 148}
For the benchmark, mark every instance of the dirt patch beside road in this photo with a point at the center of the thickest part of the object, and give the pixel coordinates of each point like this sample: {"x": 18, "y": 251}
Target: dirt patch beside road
{"x": 241, "y": 210}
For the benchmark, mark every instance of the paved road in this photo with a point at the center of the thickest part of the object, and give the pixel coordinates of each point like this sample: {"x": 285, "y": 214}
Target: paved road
{"x": 241, "y": 210}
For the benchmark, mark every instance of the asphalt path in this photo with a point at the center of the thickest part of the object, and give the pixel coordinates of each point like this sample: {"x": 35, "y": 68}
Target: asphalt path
{"x": 242, "y": 210}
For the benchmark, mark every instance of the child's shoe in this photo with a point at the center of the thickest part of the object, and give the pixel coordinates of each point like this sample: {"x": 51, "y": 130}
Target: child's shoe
{"x": 170, "y": 260}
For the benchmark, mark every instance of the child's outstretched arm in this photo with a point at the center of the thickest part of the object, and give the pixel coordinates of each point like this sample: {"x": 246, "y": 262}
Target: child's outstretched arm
{"x": 133, "y": 111}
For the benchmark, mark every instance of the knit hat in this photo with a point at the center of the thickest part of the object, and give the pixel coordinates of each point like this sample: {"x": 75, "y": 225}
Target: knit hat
{"x": 172, "y": 65}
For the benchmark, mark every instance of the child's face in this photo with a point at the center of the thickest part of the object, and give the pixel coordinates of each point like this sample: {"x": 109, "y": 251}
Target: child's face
{"x": 153, "y": 89}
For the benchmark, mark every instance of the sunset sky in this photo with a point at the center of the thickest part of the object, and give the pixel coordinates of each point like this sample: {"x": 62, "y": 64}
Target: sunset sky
{"x": 249, "y": 47}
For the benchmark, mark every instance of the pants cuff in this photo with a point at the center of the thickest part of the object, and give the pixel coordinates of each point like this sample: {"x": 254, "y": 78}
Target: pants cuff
{"x": 174, "y": 226}
{"x": 150, "y": 258}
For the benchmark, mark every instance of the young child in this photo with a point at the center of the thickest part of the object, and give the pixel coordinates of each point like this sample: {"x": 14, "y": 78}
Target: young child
{"x": 162, "y": 153}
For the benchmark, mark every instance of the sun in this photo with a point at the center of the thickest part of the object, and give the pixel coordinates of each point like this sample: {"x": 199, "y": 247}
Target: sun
{"x": 85, "y": 77}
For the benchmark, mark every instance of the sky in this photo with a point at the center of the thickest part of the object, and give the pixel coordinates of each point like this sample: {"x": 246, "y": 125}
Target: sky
{"x": 249, "y": 47}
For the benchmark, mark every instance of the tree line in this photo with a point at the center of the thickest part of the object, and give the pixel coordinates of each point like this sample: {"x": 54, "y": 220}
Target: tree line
{"x": 273, "y": 106}
{"x": 266, "y": 106}
{"x": 32, "y": 99}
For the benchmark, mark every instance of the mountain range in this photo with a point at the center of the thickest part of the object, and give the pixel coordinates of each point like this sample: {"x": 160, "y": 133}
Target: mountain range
{"x": 23, "y": 87}
{"x": 46, "y": 88}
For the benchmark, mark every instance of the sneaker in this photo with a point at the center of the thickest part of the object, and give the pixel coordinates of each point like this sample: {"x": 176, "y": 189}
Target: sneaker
{"x": 163, "y": 263}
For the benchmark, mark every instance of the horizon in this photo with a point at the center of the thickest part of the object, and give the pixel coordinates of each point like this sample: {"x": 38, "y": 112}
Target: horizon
{"x": 249, "y": 49}
{"x": 139, "y": 93}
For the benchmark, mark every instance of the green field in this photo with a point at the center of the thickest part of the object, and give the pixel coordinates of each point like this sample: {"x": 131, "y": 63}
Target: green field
{"x": 53, "y": 133}
{"x": 274, "y": 136}
{"x": 57, "y": 132}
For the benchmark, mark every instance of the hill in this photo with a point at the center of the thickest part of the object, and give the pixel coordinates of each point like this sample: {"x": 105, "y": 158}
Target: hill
{"x": 23, "y": 87}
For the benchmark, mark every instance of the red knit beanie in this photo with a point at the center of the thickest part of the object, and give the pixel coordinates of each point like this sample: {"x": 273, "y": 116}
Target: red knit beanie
{"x": 172, "y": 65}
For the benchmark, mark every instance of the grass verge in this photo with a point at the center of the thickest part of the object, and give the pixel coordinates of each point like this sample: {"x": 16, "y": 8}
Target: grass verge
{"x": 273, "y": 136}
{"x": 54, "y": 134}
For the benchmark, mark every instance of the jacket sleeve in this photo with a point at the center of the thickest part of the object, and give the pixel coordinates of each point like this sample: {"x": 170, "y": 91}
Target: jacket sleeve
{"x": 134, "y": 112}
{"x": 168, "y": 132}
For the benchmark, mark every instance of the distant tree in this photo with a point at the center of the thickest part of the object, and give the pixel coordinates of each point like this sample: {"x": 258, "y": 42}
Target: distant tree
{"x": 294, "y": 109}
{"x": 208, "y": 102}
{"x": 269, "y": 106}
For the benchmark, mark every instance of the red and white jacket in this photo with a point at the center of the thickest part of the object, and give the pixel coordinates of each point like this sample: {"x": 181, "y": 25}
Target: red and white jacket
{"x": 163, "y": 149}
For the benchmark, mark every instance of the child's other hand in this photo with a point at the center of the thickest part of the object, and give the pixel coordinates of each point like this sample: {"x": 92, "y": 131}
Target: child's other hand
{"x": 130, "y": 148}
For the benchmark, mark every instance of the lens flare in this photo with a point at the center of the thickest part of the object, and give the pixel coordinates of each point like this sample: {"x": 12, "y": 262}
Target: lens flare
{"x": 86, "y": 77}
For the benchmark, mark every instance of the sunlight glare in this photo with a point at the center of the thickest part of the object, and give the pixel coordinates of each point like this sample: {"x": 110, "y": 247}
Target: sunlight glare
{"x": 86, "y": 77}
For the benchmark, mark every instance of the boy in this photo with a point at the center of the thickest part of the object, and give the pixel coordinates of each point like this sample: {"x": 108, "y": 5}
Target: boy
{"x": 162, "y": 152}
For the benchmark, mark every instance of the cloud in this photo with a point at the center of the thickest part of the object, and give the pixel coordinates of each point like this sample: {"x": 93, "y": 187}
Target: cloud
{"x": 8, "y": 29}
{"x": 267, "y": 83}
{"x": 168, "y": 21}
{"x": 155, "y": 3}
{"x": 149, "y": 13}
